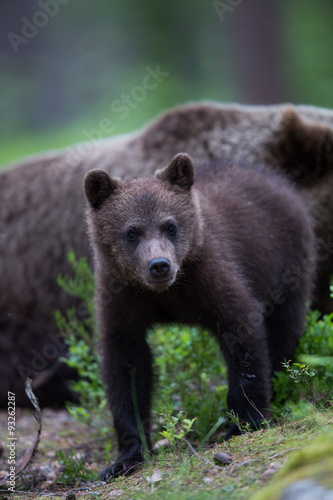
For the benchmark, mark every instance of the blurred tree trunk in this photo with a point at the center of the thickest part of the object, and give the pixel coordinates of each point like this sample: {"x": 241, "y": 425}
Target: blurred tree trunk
{"x": 11, "y": 14}
{"x": 256, "y": 41}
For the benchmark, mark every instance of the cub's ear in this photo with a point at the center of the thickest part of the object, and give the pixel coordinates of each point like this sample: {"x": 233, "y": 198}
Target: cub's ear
{"x": 98, "y": 186}
{"x": 180, "y": 172}
{"x": 303, "y": 149}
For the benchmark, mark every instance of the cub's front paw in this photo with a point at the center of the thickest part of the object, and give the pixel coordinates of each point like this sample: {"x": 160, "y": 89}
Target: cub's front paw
{"x": 121, "y": 467}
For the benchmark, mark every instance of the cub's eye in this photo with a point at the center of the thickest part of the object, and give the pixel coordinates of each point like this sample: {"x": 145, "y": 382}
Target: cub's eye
{"x": 172, "y": 229}
{"x": 131, "y": 235}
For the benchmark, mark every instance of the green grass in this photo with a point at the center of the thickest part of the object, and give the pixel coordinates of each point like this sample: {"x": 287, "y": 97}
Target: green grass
{"x": 21, "y": 146}
{"x": 185, "y": 475}
{"x": 24, "y": 144}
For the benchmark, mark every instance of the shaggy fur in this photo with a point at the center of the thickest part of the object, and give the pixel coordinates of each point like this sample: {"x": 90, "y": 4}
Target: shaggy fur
{"x": 234, "y": 254}
{"x": 41, "y": 214}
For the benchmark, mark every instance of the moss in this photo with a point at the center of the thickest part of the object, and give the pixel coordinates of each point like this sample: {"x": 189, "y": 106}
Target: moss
{"x": 313, "y": 462}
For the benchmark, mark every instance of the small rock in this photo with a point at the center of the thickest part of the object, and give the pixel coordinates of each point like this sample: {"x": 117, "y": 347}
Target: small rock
{"x": 157, "y": 476}
{"x": 208, "y": 479}
{"x": 271, "y": 469}
{"x": 162, "y": 443}
{"x": 116, "y": 493}
{"x": 222, "y": 458}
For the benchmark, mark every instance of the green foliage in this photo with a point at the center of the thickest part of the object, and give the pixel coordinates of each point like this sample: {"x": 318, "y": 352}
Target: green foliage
{"x": 191, "y": 374}
{"x": 79, "y": 331}
{"x": 244, "y": 427}
{"x": 300, "y": 374}
{"x": 302, "y": 410}
{"x": 108, "y": 453}
{"x": 82, "y": 285}
{"x": 175, "y": 427}
{"x": 74, "y": 469}
{"x": 312, "y": 373}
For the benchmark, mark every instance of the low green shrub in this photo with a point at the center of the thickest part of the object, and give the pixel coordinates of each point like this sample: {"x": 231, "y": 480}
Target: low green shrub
{"x": 192, "y": 376}
{"x": 78, "y": 328}
{"x": 312, "y": 372}
{"x": 74, "y": 469}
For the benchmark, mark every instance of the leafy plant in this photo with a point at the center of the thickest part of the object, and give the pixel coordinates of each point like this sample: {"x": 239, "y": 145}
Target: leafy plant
{"x": 300, "y": 374}
{"x": 80, "y": 334}
{"x": 315, "y": 350}
{"x": 175, "y": 427}
{"x": 191, "y": 375}
{"x": 81, "y": 286}
{"x": 74, "y": 469}
{"x": 243, "y": 427}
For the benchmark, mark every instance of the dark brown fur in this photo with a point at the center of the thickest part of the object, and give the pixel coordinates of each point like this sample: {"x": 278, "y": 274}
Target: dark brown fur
{"x": 41, "y": 214}
{"x": 233, "y": 254}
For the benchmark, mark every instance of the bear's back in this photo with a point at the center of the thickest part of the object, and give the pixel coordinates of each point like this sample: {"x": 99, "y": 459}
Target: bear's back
{"x": 255, "y": 219}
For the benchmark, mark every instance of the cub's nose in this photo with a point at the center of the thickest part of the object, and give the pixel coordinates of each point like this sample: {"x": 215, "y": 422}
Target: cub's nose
{"x": 159, "y": 267}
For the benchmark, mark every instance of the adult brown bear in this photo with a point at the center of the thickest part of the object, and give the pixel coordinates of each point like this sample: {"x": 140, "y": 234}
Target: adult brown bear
{"x": 232, "y": 252}
{"x": 41, "y": 214}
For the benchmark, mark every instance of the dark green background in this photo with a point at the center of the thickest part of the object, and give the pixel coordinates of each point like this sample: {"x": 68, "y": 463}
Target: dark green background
{"x": 66, "y": 77}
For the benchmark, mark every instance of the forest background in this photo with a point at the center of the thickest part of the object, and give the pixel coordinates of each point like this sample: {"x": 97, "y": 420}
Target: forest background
{"x": 69, "y": 68}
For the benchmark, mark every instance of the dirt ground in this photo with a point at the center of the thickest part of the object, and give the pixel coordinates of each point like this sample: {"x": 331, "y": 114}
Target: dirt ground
{"x": 60, "y": 432}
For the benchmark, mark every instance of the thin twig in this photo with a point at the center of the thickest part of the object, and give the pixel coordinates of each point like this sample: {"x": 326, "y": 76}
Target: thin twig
{"x": 283, "y": 452}
{"x": 269, "y": 458}
{"x": 200, "y": 456}
{"x": 31, "y": 451}
{"x": 252, "y": 404}
{"x": 249, "y": 461}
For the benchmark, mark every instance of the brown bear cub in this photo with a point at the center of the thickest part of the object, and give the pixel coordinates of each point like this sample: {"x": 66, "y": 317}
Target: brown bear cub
{"x": 232, "y": 252}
